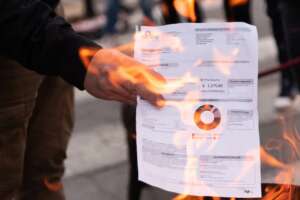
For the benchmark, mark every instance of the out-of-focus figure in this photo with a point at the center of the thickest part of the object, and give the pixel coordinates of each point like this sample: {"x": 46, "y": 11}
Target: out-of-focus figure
{"x": 290, "y": 17}
{"x": 90, "y": 23}
{"x": 170, "y": 13}
{"x": 287, "y": 83}
{"x": 146, "y": 6}
{"x": 115, "y": 6}
{"x": 89, "y": 8}
{"x": 112, "y": 12}
{"x": 237, "y": 10}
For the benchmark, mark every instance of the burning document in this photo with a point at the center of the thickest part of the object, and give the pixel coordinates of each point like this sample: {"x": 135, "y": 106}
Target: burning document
{"x": 205, "y": 141}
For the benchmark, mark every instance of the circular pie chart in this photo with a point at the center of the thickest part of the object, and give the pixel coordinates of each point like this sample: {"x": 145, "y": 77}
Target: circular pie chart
{"x": 207, "y": 117}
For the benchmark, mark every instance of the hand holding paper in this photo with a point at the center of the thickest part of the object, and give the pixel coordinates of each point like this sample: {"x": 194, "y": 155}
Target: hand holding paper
{"x": 112, "y": 75}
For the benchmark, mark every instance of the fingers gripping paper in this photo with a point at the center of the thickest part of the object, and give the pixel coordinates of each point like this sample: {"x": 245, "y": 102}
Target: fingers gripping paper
{"x": 205, "y": 141}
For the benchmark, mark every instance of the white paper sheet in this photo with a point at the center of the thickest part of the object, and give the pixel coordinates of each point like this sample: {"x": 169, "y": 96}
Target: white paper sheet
{"x": 205, "y": 141}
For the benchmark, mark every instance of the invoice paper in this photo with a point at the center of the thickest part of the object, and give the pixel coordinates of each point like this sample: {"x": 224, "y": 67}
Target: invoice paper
{"x": 205, "y": 141}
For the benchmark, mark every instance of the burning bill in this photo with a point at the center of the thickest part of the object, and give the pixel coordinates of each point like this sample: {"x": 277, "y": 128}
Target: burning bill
{"x": 205, "y": 140}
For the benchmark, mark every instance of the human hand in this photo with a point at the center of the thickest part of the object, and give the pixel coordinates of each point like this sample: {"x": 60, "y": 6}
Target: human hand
{"x": 112, "y": 75}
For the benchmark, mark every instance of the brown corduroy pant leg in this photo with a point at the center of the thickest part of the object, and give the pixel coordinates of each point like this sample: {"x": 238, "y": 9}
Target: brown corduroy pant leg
{"x": 36, "y": 120}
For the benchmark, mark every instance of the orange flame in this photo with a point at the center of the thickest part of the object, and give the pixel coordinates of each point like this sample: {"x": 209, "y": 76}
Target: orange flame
{"x": 270, "y": 160}
{"x": 86, "y": 55}
{"x": 283, "y": 192}
{"x": 53, "y": 186}
{"x": 186, "y": 8}
{"x": 234, "y": 3}
{"x": 188, "y": 197}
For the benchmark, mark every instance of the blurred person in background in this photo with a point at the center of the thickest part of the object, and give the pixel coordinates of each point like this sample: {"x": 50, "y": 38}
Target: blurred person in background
{"x": 171, "y": 16}
{"x": 287, "y": 82}
{"x": 36, "y": 112}
{"x": 112, "y": 13}
{"x": 238, "y": 10}
{"x": 90, "y": 22}
{"x": 290, "y": 16}
{"x": 113, "y": 9}
{"x": 235, "y": 11}
{"x": 89, "y": 8}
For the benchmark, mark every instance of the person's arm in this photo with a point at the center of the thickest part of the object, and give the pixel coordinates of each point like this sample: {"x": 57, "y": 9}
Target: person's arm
{"x": 32, "y": 34}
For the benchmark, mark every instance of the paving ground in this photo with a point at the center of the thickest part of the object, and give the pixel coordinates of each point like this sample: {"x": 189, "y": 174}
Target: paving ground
{"x": 97, "y": 163}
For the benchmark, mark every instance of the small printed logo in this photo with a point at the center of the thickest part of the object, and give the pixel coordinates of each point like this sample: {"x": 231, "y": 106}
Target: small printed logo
{"x": 150, "y": 36}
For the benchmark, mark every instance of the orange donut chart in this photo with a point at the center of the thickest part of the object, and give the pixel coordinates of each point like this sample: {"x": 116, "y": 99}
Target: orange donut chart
{"x": 207, "y": 108}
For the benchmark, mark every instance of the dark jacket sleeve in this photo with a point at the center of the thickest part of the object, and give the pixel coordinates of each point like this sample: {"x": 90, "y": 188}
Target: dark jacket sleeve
{"x": 32, "y": 34}
{"x": 51, "y": 3}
